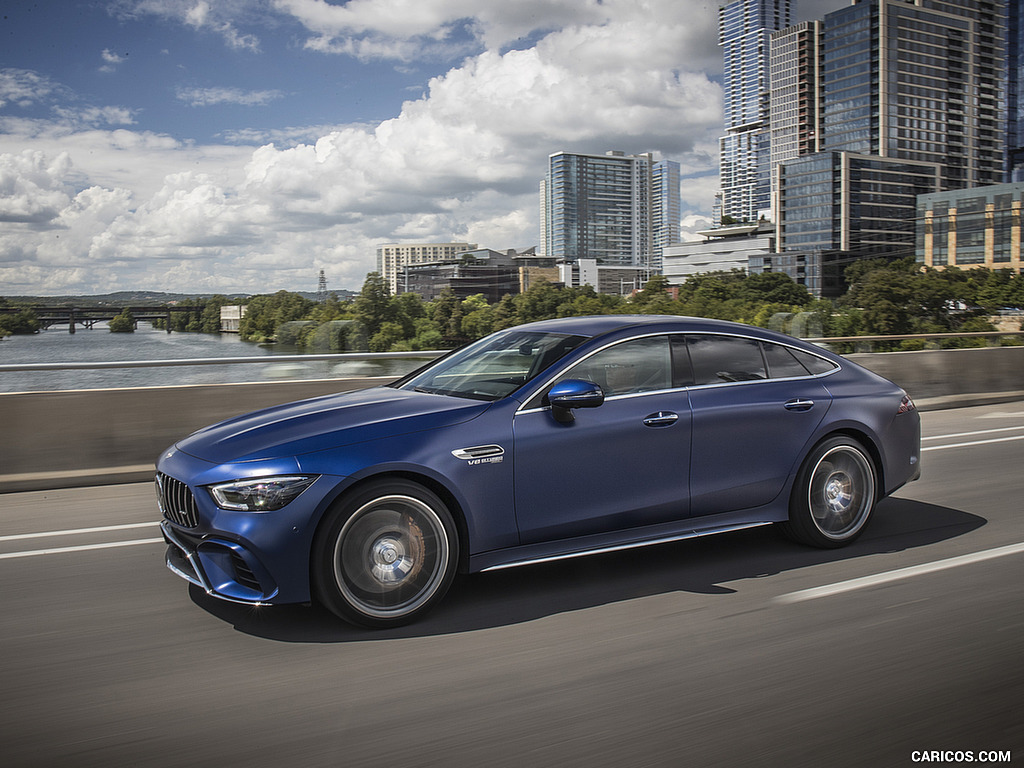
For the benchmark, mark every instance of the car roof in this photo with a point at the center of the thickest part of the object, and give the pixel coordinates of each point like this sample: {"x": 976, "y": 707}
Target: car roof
{"x": 598, "y": 325}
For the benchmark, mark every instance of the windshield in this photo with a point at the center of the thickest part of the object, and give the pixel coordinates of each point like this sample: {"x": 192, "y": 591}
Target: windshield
{"x": 492, "y": 368}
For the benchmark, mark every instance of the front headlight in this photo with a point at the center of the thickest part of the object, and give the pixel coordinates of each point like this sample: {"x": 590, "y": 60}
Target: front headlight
{"x": 262, "y": 494}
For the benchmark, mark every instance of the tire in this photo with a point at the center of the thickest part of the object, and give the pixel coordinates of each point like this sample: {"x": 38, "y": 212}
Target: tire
{"x": 834, "y": 494}
{"x": 385, "y": 555}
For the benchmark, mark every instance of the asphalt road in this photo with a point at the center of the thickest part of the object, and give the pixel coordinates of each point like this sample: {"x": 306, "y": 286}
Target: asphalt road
{"x": 708, "y": 652}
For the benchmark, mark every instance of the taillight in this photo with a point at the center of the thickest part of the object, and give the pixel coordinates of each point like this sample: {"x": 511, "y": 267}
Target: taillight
{"x": 906, "y": 405}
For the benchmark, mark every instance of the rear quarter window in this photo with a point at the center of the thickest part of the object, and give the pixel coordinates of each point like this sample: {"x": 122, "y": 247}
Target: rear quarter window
{"x": 813, "y": 363}
{"x": 782, "y": 363}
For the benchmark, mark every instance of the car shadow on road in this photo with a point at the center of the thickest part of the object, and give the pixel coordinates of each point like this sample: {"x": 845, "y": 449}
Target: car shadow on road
{"x": 704, "y": 566}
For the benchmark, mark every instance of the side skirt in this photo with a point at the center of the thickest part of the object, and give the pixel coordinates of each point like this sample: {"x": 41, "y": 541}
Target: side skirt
{"x": 546, "y": 552}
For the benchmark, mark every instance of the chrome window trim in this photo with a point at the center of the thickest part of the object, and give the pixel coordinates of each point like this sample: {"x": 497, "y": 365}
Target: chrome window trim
{"x": 686, "y": 388}
{"x": 551, "y": 380}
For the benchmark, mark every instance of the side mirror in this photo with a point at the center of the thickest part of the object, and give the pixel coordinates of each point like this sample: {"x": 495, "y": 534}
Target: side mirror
{"x": 573, "y": 393}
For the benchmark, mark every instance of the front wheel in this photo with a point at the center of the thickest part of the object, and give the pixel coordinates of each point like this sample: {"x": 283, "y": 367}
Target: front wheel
{"x": 834, "y": 494}
{"x": 386, "y": 555}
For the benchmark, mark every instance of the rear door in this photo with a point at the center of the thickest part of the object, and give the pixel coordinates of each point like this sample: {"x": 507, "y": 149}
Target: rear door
{"x": 755, "y": 407}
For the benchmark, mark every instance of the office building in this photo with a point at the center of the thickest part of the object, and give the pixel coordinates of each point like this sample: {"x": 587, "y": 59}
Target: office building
{"x": 391, "y": 257}
{"x": 666, "y": 209}
{"x": 1014, "y": 102}
{"x": 912, "y": 105}
{"x": 616, "y": 210}
{"x": 978, "y": 227}
{"x": 844, "y": 201}
{"x": 796, "y": 114}
{"x": 722, "y": 250}
{"x": 744, "y": 30}
{"x": 923, "y": 81}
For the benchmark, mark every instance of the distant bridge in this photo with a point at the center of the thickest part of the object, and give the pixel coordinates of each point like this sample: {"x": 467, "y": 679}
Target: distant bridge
{"x": 87, "y": 317}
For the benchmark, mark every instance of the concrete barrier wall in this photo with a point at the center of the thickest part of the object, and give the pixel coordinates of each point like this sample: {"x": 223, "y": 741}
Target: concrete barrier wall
{"x": 99, "y": 436}
{"x": 65, "y": 439}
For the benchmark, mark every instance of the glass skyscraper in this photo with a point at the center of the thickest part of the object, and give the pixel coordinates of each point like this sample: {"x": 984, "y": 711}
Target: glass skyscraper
{"x": 666, "y": 209}
{"x": 1015, "y": 104}
{"x": 744, "y": 29}
{"x": 914, "y": 103}
{"x": 617, "y": 209}
{"x": 922, "y": 80}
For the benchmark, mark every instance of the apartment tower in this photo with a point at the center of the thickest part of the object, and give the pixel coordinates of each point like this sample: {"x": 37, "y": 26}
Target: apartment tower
{"x": 615, "y": 209}
{"x": 915, "y": 94}
{"x": 744, "y": 31}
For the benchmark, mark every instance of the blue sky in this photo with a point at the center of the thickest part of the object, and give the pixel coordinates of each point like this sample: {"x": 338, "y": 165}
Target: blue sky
{"x": 243, "y": 145}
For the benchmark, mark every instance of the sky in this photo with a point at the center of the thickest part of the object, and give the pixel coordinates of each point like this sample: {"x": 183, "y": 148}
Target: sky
{"x": 241, "y": 146}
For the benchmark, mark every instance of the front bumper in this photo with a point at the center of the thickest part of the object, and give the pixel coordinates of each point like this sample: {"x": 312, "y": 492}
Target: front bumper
{"x": 244, "y": 557}
{"x": 221, "y": 568}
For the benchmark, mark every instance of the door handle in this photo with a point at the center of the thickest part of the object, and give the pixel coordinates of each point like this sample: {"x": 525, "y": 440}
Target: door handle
{"x": 799, "y": 404}
{"x": 661, "y": 419}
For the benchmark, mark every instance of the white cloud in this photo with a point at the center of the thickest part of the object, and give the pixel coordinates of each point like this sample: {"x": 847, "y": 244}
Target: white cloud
{"x": 32, "y": 187}
{"x": 25, "y": 88}
{"x": 111, "y": 60}
{"x": 462, "y": 162}
{"x": 398, "y": 28}
{"x": 220, "y": 17}
{"x": 205, "y": 97}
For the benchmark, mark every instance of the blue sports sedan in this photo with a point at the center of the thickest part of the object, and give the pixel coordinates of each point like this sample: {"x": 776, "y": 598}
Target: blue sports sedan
{"x": 545, "y": 441}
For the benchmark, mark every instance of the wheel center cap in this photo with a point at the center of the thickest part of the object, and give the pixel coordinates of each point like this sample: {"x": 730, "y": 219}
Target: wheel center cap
{"x": 835, "y": 491}
{"x": 386, "y": 552}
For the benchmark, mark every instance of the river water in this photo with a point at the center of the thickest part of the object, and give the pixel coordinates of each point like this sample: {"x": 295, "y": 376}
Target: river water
{"x": 98, "y": 344}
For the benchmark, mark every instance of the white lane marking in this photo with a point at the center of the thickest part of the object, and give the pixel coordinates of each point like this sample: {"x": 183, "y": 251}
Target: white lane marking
{"x": 975, "y": 432}
{"x": 903, "y": 573}
{"x": 76, "y": 531}
{"x": 972, "y": 442}
{"x": 82, "y": 548}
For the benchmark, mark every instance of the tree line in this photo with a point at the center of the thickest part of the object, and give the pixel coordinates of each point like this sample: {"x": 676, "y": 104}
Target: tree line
{"x": 884, "y": 298}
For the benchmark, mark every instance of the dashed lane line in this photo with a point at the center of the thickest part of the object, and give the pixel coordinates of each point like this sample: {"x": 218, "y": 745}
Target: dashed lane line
{"x": 887, "y": 577}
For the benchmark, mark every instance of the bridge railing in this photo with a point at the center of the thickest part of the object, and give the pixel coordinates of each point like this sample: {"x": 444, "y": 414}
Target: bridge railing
{"x": 339, "y": 357}
{"x": 844, "y": 344}
{"x": 859, "y": 344}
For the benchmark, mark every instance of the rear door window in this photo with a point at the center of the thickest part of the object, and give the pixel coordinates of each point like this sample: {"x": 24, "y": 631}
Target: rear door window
{"x": 724, "y": 359}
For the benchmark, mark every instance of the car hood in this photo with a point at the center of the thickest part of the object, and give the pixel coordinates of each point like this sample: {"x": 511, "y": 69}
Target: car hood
{"x": 327, "y": 422}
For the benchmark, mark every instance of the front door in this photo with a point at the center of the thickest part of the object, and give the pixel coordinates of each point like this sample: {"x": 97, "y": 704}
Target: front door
{"x": 621, "y": 465}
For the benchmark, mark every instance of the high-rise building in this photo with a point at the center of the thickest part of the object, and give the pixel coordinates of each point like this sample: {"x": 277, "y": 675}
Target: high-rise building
{"x": 616, "y": 209}
{"x": 666, "y": 209}
{"x": 914, "y": 96}
{"x": 796, "y": 115}
{"x": 1014, "y": 100}
{"x": 921, "y": 80}
{"x": 744, "y": 30}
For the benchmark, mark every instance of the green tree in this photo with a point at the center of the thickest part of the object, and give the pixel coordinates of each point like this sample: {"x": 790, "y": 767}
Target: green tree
{"x": 478, "y": 317}
{"x": 23, "y": 322}
{"x": 446, "y": 312}
{"x": 773, "y": 288}
{"x": 389, "y": 334}
{"x": 267, "y": 313}
{"x": 540, "y": 302}
{"x": 123, "y": 323}
{"x": 654, "y": 298}
{"x": 372, "y": 307}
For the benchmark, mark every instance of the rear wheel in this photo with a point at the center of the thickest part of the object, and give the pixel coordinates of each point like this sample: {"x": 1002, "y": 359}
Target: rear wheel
{"x": 834, "y": 495}
{"x": 385, "y": 555}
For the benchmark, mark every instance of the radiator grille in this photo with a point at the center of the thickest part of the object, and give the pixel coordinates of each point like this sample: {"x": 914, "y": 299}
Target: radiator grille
{"x": 176, "y": 501}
